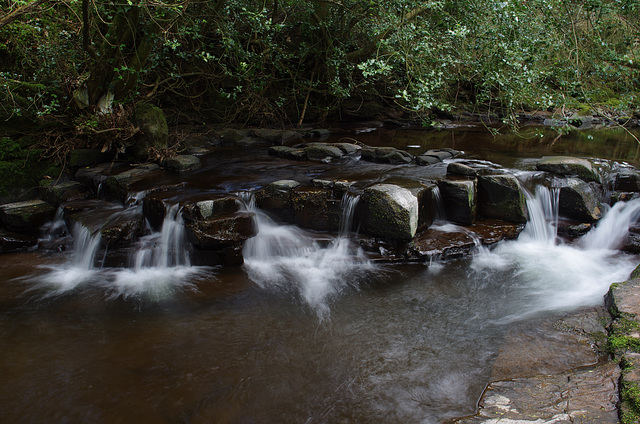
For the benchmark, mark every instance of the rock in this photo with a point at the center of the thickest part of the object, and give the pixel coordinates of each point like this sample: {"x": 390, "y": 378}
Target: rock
{"x": 250, "y": 143}
{"x": 280, "y": 151}
{"x": 434, "y": 243}
{"x": 276, "y": 199}
{"x": 26, "y": 217}
{"x": 502, "y": 197}
{"x": 441, "y": 154}
{"x": 57, "y": 194}
{"x": 320, "y": 133}
{"x": 579, "y": 200}
{"x": 182, "y": 163}
{"x": 457, "y": 168}
{"x": 117, "y": 226}
{"x": 154, "y": 209}
{"x": 347, "y": 148}
{"x": 206, "y": 209}
{"x": 276, "y": 136}
{"x": 86, "y": 157}
{"x": 570, "y": 167}
{"x": 315, "y": 208}
{"x": 155, "y": 132}
{"x": 319, "y": 151}
{"x": 93, "y": 177}
{"x": 229, "y": 136}
{"x": 123, "y": 228}
{"x": 118, "y": 186}
{"x": 389, "y": 212}
{"x": 460, "y": 200}
{"x": 11, "y": 242}
{"x": 222, "y": 231}
{"x": 426, "y": 160}
{"x": 389, "y": 155}
{"x": 627, "y": 181}
{"x": 580, "y": 396}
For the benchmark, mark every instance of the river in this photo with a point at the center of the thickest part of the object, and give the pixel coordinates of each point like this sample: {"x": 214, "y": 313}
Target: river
{"x": 305, "y": 331}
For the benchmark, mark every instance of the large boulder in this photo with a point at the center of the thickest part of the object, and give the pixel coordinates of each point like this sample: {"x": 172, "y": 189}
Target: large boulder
{"x": 322, "y": 152}
{"x": 502, "y": 197}
{"x": 460, "y": 200}
{"x": 26, "y": 217}
{"x": 389, "y": 212}
{"x": 570, "y": 167}
{"x": 579, "y": 200}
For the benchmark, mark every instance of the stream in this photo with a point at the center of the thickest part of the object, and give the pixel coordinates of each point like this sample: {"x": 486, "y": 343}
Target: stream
{"x": 310, "y": 329}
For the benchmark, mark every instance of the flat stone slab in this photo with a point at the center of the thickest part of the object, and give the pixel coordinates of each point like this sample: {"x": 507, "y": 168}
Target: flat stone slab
{"x": 582, "y": 396}
{"x": 570, "y": 167}
{"x": 26, "y": 216}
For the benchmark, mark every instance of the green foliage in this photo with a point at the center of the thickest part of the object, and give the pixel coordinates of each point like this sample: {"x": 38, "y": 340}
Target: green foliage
{"x": 290, "y": 60}
{"x": 21, "y": 167}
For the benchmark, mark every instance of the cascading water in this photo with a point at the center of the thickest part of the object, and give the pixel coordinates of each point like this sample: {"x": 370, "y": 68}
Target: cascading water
{"x": 81, "y": 267}
{"x": 543, "y": 215}
{"x": 287, "y": 258}
{"x": 552, "y": 276}
{"x": 160, "y": 264}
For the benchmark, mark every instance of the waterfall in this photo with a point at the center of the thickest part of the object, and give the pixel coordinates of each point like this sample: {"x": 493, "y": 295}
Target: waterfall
{"x": 440, "y": 216}
{"x": 160, "y": 264}
{"x": 166, "y": 248}
{"x": 286, "y": 258}
{"x": 612, "y": 229}
{"x": 543, "y": 215}
{"x": 553, "y": 276}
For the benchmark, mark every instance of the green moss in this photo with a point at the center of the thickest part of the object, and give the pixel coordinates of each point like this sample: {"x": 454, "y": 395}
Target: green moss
{"x": 619, "y": 339}
{"x": 635, "y": 273}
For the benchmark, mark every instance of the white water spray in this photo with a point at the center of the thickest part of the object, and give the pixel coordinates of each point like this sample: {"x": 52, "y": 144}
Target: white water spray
{"x": 287, "y": 258}
{"x": 551, "y": 276}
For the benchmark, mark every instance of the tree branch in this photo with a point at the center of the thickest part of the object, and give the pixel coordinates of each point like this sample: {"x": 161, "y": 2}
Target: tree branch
{"x": 15, "y": 14}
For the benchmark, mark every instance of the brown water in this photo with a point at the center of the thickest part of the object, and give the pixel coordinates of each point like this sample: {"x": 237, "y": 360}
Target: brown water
{"x": 403, "y": 343}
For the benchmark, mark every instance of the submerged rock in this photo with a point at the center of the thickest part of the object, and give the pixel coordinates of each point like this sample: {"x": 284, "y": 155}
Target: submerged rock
{"x": 11, "y": 242}
{"x": 26, "y": 217}
{"x": 389, "y": 212}
{"x": 460, "y": 200}
{"x": 502, "y": 197}
{"x": 570, "y": 167}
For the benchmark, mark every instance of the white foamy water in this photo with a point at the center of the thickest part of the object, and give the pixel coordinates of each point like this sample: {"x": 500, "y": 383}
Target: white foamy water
{"x": 287, "y": 258}
{"x": 551, "y": 276}
{"x": 160, "y": 265}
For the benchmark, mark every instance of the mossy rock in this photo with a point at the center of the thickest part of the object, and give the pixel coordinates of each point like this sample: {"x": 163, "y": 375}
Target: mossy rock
{"x": 154, "y": 129}
{"x": 570, "y": 167}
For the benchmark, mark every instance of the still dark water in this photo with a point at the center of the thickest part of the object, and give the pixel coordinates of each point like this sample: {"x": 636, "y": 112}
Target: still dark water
{"x": 410, "y": 343}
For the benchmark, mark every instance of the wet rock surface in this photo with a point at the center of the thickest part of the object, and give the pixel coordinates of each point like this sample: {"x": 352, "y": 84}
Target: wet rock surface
{"x": 389, "y": 212}
{"x": 570, "y": 167}
{"x": 553, "y": 370}
{"x": 26, "y": 217}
